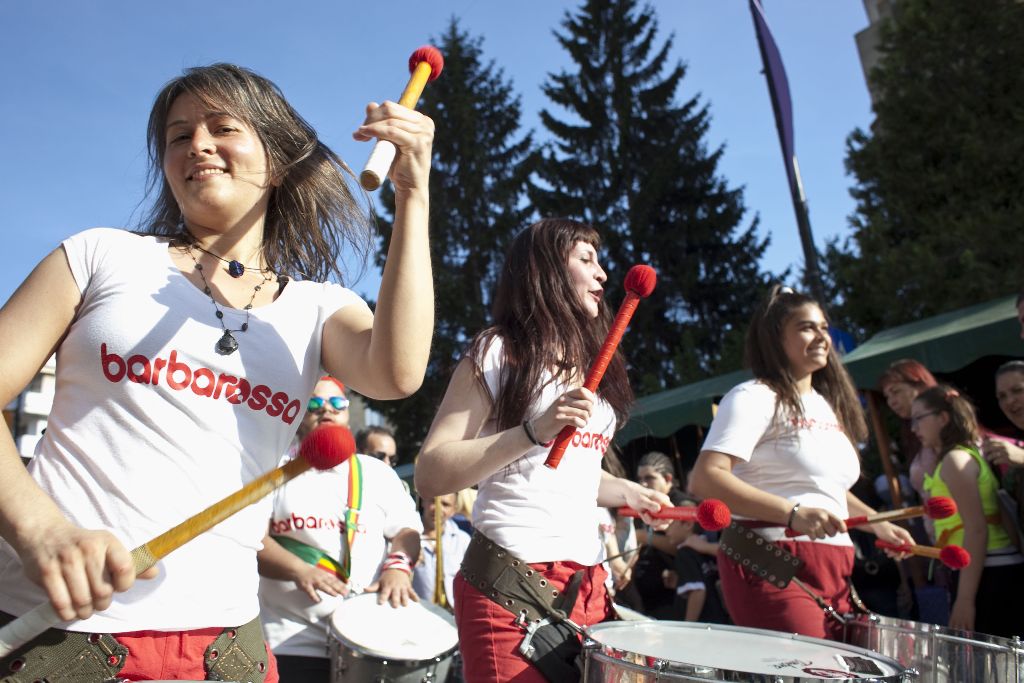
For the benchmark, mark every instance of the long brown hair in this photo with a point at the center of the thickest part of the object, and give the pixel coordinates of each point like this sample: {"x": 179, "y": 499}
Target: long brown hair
{"x": 962, "y": 426}
{"x": 311, "y": 213}
{"x": 767, "y": 359}
{"x": 543, "y": 325}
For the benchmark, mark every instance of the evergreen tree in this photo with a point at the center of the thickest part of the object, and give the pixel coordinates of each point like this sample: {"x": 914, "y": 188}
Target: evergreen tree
{"x": 632, "y": 161}
{"x": 477, "y": 204}
{"x": 939, "y": 178}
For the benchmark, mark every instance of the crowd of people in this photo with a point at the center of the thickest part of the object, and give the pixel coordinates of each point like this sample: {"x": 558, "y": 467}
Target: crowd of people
{"x": 195, "y": 355}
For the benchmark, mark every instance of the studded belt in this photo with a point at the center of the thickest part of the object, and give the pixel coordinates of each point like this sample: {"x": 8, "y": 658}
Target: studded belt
{"x": 758, "y": 555}
{"x": 512, "y": 584}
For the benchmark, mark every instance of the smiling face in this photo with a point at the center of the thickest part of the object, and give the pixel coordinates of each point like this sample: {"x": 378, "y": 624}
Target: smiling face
{"x": 927, "y": 424}
{"x": 215, "y": 165}
{"x": 899, "y": 396}
{"x": 587, "y": 276}
{"x": 1010, "y": 394}
{"x": 805, "y": 340}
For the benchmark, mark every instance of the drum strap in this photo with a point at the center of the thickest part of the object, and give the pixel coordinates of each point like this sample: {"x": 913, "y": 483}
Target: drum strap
{"x": 768, "y": 561}
{"x": 551, "y": 641}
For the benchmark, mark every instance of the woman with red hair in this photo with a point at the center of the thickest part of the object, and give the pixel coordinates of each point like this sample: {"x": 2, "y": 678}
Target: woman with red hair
{"x": 900, "y": 384}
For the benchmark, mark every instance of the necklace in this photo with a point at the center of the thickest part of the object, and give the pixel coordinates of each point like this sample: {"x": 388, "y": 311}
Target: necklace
{"x": 235, "y": 268}
{"x": 227, "y": 344}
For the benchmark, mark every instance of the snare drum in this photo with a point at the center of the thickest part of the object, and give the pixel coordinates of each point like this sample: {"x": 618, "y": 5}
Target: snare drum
{"x": 941, "y": 655}
{"x": 649, "y": 652}
{"x": 385, "y": 644}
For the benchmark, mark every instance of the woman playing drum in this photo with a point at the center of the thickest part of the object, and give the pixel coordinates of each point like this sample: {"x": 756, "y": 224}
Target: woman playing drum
{"x": 782, "y": 449}
{"x": 518, "y": 385}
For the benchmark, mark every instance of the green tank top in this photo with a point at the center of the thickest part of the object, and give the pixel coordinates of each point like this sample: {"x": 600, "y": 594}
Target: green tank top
{"x": 950, "y": 531}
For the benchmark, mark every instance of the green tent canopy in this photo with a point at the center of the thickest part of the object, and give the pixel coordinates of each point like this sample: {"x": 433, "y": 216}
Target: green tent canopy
{"x": 943, "y": 343}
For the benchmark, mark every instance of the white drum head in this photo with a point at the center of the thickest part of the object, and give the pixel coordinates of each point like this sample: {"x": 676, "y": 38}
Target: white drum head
{"x": 411, "y": 633}
{"x": 732, "y": 648}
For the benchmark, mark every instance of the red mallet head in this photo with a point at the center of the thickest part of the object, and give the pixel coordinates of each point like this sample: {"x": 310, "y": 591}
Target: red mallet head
{"x": 640, "y": 280}
{"x": 713, "y": 514}
{"x": 328, "y": 446}
{"x": 954, "y": 557}
{"x": 432, "y": 56}
{"x": 940, "y": 507}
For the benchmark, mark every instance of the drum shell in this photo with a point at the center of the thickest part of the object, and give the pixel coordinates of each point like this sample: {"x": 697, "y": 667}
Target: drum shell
{"x": 606, "y": 663}
{"x": 939, "y": 654}
{"x": 352, "y": 662}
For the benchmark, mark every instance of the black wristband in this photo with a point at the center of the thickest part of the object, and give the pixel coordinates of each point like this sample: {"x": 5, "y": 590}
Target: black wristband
{"x": 792, "y": 514}
{"x": 530, "y": 434}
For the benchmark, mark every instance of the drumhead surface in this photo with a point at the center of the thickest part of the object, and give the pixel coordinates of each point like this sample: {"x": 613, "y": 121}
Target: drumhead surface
{"x": 737, "y": 649}
{"x": 413, "y": 633}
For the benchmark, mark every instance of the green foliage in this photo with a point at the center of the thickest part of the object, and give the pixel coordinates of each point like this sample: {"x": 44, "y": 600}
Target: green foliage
{"x": 477, "y": 204}
{"x": 632, "y": 161}
{"x": 939, "y": 178}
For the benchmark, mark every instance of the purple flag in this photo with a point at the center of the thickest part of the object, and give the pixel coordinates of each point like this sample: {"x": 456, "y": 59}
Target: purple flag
{"x": 778, "y": 89}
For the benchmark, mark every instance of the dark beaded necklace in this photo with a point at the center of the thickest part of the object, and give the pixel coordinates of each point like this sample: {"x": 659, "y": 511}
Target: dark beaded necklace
{"x": 235, "y": 268}
{"x": 227, "y": 344}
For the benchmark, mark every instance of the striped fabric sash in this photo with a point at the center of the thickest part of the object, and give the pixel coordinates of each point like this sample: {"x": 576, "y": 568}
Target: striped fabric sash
{"x": 310, "y": 555}
{"x": 355, "y": 502}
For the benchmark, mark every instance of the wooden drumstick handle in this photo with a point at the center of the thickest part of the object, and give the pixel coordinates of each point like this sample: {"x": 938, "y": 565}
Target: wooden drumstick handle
{"x": 383, "y": 153}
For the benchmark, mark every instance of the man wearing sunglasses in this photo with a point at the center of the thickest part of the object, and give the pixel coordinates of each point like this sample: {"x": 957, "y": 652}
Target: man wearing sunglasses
{"x": 349, "y": 529}
{"x": 378, "y": 442}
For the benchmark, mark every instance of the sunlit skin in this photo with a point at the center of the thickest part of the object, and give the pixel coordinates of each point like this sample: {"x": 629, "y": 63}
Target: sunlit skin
{"x": 587, "y": 276}
{"x": 326, "y": 414}
{"x": 806, "y": 343}
{"x": 216, "y": 167}
{"x": 899, "y": 396}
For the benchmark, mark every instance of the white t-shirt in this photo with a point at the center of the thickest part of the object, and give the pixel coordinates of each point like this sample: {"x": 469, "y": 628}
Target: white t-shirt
{"x": 150, "y": 425}
{"x": 808, "y": 460}
{"x": 537, "y": 513}
{"x": 311, "y": 509}
{"x": 454, "y": 542}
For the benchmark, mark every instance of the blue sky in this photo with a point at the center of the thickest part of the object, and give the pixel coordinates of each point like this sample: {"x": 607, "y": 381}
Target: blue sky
{"x": 79, "y": 78}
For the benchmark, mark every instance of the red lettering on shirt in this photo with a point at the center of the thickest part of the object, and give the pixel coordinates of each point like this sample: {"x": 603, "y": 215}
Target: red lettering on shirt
{"x": 179, "y": 375}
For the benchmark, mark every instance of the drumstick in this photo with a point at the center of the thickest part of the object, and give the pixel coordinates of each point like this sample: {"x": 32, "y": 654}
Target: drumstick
{"x": 953, "y": 556}
{"x": 938, "y": 507}
{"x": 711, "y": 514}
{"x": 640, "y": 281}
{"x": 324, "y": 448}
{"x": 425, "y": 65}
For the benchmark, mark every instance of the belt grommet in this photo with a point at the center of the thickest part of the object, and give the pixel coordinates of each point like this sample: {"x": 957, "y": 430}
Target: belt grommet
{"x": 543, "y": 583}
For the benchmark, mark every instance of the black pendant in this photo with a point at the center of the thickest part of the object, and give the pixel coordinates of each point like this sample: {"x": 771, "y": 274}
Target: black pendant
{"x": 227, "y": 344}
{"x": 236, "y": 269}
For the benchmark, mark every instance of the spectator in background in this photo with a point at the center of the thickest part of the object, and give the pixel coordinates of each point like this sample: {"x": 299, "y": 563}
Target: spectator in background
{"x": 654, "y": 574}
{"x": 697, "y": 597}
{"x": 454, "y": 542}
{"x": 989, "y": 592}
{"x": 464, "y": 502}
{"x": 378, "y": 442}
{"x": 900, "y": 384}
{"x": 1008, "y": 453}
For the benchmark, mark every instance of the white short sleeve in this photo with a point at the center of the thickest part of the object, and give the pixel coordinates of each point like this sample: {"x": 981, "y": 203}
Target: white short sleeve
{"x": 743, "y": 418}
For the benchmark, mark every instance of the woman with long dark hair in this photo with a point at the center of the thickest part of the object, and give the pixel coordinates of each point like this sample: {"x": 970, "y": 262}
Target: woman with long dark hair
{"x": 536, "y": 549}
{"x": 185, "y": 357}
{"x": 783, "y": 448}
{"x": 988, "y": 594}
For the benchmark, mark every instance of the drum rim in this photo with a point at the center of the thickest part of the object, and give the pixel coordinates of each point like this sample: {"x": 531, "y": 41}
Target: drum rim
{"x": 899, "y": 674}
{"x": 900, "y": 625}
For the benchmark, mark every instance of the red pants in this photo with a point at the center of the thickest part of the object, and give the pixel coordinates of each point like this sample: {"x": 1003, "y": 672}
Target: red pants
{"x": 173, "y": 655}
{"x": 753, "y": 602}
{"x": 488, "y": 638}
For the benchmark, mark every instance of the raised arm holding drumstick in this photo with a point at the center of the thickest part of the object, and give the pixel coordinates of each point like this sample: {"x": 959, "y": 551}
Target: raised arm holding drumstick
{"x": 186, "y": 356}
{"x": 517, "y": 387}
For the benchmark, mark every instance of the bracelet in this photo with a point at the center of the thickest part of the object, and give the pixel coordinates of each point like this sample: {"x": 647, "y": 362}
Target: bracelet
{"x": 792, "y": 514}
{"x": 396, "y": 564}
{"x": 530, "y": 434}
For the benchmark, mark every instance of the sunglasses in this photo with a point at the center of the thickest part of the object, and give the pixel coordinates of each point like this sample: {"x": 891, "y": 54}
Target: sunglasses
{"x": 337, "y": 402}
{"x": 389, "y": 458}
